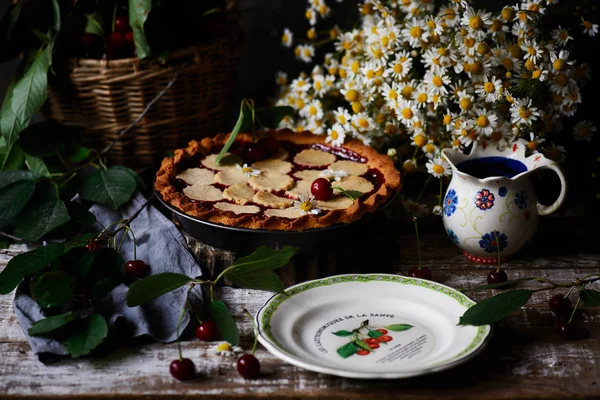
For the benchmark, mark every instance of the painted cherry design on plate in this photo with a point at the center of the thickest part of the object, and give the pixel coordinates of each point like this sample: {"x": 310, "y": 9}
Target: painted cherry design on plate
{"x": 363, "y": 352}
{"x": 374, "y": 345}
{"x": 383, "y": 331}
{"x": 385, "y": 338}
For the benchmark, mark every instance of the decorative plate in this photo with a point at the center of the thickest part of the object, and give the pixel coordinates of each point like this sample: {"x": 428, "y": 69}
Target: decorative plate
{"x": 370, "y": 326}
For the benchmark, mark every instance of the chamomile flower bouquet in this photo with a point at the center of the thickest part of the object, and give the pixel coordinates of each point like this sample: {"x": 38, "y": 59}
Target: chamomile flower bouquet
{"x": 416, "y": 76}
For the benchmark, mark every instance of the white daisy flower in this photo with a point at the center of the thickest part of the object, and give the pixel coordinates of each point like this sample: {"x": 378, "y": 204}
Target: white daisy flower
{"x": 307, "y": 206}
{"x": 319, "y": 85}
{"x": 362, "y": 122}
{"x": 281, "y": 78}
{"x": 287, "y": 38}
{"x": 407, "y": 112}
{"x": 532, "y": 50}
{"x": 588, "y": 27}
{"x": 437, "y": 210}
{"x": 438, "y": 167}
{"x": 336, "y": 135}
{"x": 534, "y": 142}
{"x": 561, "y": 36}
{"x": 560, "y": 62}
{"x": 490, "y": 89}
{"x": 248, "y": 172}
{"x": 400, "y": 67}
{"x": 476, "y": 21}
{"x": 436, "y": 81}
{"x": 584, "y": 130}
{"x": 485, "y": 121}
{"x": 227, "y": 350}
{"x": 331, "y": 174}
{"x": 522, "y": 112}
{"x": 305, "y": 52}
{"x": 343, "y": 117}
{"x": 300, "y": 85}
{"x": 414, "y": 32}
{"x": 313, "y": 110}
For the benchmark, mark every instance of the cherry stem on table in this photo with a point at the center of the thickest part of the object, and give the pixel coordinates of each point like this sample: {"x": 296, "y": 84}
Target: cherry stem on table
{"x": 254, "y": 328}
{"x": 417, "y": 237}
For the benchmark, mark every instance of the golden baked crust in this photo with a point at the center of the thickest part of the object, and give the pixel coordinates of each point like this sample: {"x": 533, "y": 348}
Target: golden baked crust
{"x": 165, "y": 186}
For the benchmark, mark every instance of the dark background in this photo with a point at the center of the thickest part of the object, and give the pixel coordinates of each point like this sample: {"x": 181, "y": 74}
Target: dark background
{"x": 262, "y": 22}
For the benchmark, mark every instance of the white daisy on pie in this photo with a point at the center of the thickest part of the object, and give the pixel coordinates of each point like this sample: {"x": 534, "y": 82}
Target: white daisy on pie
{"x": 331, "y": 174}
{"x": 307, "y": 206}
{"x": 248, "y": 171}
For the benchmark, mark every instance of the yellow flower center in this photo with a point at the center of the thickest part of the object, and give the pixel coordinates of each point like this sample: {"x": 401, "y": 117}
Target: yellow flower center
{"x": 312, "y": 110}
{"x": 355, "y": 66}
{"x": 475, "y": 22}
{"x": 447, "y": 119}
{"x": 300, "y": 83}
{"x": 407, "y": 92}
{"x": 563, "y": 35}
{"x": 363, "y": 123}
{"x": 246, "y": 169}
{"x": 483, "y": 48}
{"x": 431, "y": 24}
{"x": 311, "y": 34}
{"x": 377, "y": 53}
{"x": 385, "y": 41}
{"x": 285, "y": 38}
{"x": 429, "y": 148}
{"x": 352, "y": 95}
{"x": 438, "y": 169}
{"x": 562, "y": 79}
{"x": 342, "y": 73}
{"x": 587, "y": 25}
{"x": 370, "y": 74}
{"x": 357, "y": 107}
{"x": 408, "y": 166}
{"x": 318, "y": 85}
{"x": 420, "y": 140}
{"x": 465, "y": 103}
{"x": 416, "y": 32}
{"x": 299, "y": 103}
{"x": 508, "y": 13}
{"x": 442, "y": 51}
{"x": 497, "y": 25}
{"x": 334, "y": 135}
{"x": 476, "y": 68}
{"x": 392, "y": 94}
{"x": 472, "y": 135}
{"x": 398, "y": 68}
{"x": 342, "y": 119}
{"x": 524, "y": 112}
{"x": 422, "y": 97}
{"x": 532, "y": 145}
{"x": 437, "y": 81}
{"x": 456, "y": 143}
{"x": 407, "y": 113}
{"x": 536, "y": 74}
{"x": 496, "y": 136}
{"x": 531, "y": 50}
{"x": 489, "y": 87}
{"x": 469, "y": 42}
{"x": 559, "y": 64}
{"x": 483, "y": 121}
{"x": 530, "y": 65}
{"x": 224, "y": 347}
{"x": 306, "y": 206}
{"x": 307, "y": 53}
{"x": 534, "y": 7}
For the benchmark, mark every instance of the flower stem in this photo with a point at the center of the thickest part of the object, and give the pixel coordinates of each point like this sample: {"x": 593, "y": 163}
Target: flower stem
{"x": 574, "y": 308}
{"x": 254, "y": 329}
{"x": 181, "y": 314}
{"x": 417, "y": 236}
{"x": 498, "y": 248}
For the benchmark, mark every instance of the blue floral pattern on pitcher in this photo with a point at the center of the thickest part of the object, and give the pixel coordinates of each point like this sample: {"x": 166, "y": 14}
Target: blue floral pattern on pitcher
{"x": 491, "y": 241}
{"x": 521, "y": 199}
{"x": 453, "y": 236}
{"x": 502, "y": 191}
{"x": 450, "y": 202}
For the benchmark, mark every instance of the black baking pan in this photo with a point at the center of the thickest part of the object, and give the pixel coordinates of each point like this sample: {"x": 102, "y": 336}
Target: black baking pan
{"x": 243, "y": 240}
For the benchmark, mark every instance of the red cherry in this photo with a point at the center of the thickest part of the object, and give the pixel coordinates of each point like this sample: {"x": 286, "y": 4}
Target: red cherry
{"x": 248, "y": 366}
{"x": 270, "y": 144}
{"x": 374, "y": 345}
{"x": 92, "y": 246}
{"x": 92, "y": 46}
{"x": 253, "y": 152}
{"x": 183, "y": 369}
{"x": 375, "y": 176}
{"x": 385, "y": 338}
{"x": 129, "y": 38}
{"x": 207, "y": 331}
{"x": 372, "y": 341}
{"x": 561, "y": 306}
{"x": 423, "y": 273}
{"x": 116, "y": 40}
{"x": 122, "y": 24}
{"x": 384, "y": 331}
{"x": 362, "y": 352}
{"x": 321, "y": 189}
{"x": 496, "y": 277}
{"x": 136, "y": 268}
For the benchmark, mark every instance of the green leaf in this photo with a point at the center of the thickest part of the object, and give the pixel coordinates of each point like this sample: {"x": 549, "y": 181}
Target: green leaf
{"x": 496, "y": 285}
{"x": 94, "y": 24}
{"x": 347, "y": 350}
{"x": 14, "y": 197}
{"x": 398, "y": 327}
{"x": 50, "y": 324}
{"x": 56, "y": 19}
{"x": 76, "y": 153}
{"x": 8, "y": 177}
{"x": 342, "y": 333}
{"x": 90, "y": 334}
{"x": 220, "y": 313}
{"x": 45, "y": 212}
{"x": 104, "y": 286}
{"x": 244, "y": 119}
{"x": 113, "y": 187}
{"x": 265, "y": 258}
{"x": 590, "y": 297}
{"x": 11, "y": 158}
{"x": 271, "y": 117}
{"x": 362, "y": 345}
{"x": 351, "y": 194}
{"x": 256, "y": 279}
{"x": 28, "y": 264}
{"x": 52, "y": 288}
{"x": 31, "y": 90}
{"x": 495, "y": 308}
{"x": 77, "y": 261}
{"x": 37, "y": 165}
{"x": 10, "y": 125}
{"x": 374, "y": 334}
{"x": 138, "y": 13}
{"x": 148, "y": 289}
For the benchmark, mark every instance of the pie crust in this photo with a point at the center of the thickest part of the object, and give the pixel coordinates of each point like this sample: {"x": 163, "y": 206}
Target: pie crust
{"x": 237, "y": 199}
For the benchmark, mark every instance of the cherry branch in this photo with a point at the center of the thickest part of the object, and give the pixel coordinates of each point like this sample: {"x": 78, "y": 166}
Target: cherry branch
{"x": 18, "y": 239}
{"x": 125, "y": 223}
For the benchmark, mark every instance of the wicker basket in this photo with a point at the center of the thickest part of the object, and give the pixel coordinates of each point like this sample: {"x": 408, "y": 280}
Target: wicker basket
{"x": 104, "y": 97}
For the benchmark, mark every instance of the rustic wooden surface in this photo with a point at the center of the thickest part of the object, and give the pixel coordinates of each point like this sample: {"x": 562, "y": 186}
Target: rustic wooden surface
{"x": 526, "y": 359}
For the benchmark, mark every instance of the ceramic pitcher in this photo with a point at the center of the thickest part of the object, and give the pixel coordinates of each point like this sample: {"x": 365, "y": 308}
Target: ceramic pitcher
{"x": 490, "y": 204}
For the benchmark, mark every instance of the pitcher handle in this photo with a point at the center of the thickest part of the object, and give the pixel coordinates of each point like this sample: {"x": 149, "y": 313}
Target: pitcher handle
{"x": 546, "y": 210}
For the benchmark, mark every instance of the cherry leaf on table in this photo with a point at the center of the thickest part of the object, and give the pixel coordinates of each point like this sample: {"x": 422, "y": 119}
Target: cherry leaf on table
{"x": 265, "y": 258}
{"x": 495, "y": 308}
{"x": 44, "y": 213}
{"x": 590, "y": 297}
{"x": 47, "y": 325}
{"x": 256, "y": 279}
{"x": 220, "y": 313}
{"x": 89, "y": 334}
{"x": 28, "y": 264}
{"x": 52, "y": 288}
{"x": 154, "y": 286}
{"x": 113, "y": 187}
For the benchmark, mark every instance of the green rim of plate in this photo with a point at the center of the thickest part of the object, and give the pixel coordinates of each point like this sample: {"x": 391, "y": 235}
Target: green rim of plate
{"x": 273, "y": 304}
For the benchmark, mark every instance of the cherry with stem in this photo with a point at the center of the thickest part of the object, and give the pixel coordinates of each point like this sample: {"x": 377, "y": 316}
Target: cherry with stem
{"x": 248, "y": 365}
{"x": 419, "y": 271}
{"x": 497, "y": 275}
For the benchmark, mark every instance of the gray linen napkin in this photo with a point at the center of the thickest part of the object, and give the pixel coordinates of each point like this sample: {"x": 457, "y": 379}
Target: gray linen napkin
{"x": 163, "y": 248}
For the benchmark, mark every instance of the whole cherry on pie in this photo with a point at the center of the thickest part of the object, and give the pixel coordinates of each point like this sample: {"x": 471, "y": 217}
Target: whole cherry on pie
{"x": 321, "y": 189}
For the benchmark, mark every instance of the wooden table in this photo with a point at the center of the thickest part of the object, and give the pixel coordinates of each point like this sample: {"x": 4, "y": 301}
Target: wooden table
{"x": 526, "y": 358}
